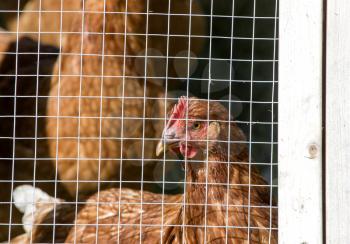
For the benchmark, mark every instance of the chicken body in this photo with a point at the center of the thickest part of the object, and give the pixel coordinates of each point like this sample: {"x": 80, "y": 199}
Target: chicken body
{"x": 143, "y": 219}
{"x": 100, "y": 105}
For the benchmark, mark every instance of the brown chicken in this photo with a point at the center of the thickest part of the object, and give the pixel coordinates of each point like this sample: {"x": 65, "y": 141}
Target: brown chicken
{"x": 211, "y": 210}
{"x": 105, "y": 104}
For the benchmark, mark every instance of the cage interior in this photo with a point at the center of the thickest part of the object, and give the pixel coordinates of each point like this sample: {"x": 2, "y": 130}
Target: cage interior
{"x": 91, "y": 89}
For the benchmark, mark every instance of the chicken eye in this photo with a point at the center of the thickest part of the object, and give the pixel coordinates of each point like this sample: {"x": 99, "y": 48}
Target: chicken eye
{"x": 196, "y": 126}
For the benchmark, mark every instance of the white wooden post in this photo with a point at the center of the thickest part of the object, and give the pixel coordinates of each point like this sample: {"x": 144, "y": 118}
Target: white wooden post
{"x": 300, "y": 122}
{"x": 338, "y": 122}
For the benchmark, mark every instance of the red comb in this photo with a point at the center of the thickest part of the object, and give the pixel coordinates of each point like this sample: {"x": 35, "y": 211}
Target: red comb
{"x": 178, "y": 110}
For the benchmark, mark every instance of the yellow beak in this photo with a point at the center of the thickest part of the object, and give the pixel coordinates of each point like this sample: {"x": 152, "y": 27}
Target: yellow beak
{"x": 161, "y": 147}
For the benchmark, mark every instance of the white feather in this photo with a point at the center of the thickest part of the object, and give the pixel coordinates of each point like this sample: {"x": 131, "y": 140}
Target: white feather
{"x": 26, "y": 199}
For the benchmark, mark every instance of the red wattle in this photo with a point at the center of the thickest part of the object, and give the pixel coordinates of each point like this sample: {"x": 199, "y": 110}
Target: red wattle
{"x": 191, "y": 152}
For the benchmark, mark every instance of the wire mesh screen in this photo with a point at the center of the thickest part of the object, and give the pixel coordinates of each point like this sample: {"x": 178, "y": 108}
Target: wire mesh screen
{"x": 150, "y": 121}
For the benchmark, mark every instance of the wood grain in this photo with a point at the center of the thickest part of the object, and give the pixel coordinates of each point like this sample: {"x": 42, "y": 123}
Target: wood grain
{"x": 300, "y": 127}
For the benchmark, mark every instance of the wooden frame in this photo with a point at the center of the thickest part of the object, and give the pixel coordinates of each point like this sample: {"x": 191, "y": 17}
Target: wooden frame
{"x": 338, "y": 122}
{"x": 300, "y": 122}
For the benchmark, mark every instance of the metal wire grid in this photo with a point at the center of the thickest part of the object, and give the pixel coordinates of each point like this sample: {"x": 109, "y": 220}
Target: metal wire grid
{"x": 250, "y": 122}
